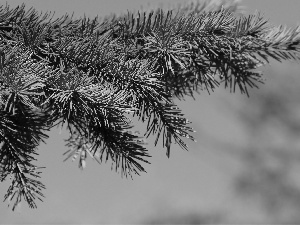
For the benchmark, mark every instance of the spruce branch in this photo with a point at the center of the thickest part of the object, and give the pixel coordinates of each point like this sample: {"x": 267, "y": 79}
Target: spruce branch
{"x": 24, "y": 186}
{"x": 91, "y": 74}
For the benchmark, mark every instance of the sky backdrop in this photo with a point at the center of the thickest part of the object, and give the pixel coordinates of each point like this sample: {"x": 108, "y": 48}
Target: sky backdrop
{"x": 196, "y": 181}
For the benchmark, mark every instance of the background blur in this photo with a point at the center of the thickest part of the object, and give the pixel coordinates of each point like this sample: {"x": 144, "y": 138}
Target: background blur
{"x": 245, "y": 167}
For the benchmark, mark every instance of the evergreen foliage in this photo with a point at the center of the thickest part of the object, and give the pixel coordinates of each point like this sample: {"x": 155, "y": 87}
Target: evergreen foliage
{"x": 93, "y": 74}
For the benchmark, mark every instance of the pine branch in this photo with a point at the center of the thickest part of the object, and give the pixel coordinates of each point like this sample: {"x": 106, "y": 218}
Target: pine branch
{"x": 92, "y": 73}
{"x": 211, "y": 45}
{"x": 23, "y": 186}
{"x": 20, "y": 135}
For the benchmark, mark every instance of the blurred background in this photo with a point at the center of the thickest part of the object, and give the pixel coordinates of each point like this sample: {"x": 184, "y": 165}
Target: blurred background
{"x": 244, "y": 168}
